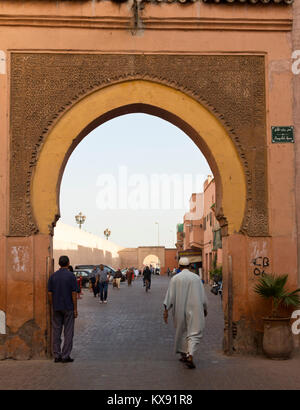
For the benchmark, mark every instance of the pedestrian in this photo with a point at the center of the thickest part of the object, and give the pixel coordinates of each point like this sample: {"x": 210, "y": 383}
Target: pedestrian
{"x": 118, "y": 277}
{"x": 70, "y": 267}
{"x": 147, "y": 276}
{"x": 187, "y": 299}
{"x": 129, "y": 273}
{"x": 93, "y": 281}
{"x": 168, "y": 272}
{"x": 102, "y": 282}
{"x": 62, "y": 293}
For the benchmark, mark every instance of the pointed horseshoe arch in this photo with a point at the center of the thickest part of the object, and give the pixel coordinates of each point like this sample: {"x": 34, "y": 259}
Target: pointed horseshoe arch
{"x": 147, "y": 97}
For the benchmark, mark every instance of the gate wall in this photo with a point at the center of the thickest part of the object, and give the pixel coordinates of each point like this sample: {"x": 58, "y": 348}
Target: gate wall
{"x": 215, "y": 32}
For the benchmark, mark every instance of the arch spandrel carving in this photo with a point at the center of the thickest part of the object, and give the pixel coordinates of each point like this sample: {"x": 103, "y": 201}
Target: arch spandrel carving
{"x": 41, "y": 96}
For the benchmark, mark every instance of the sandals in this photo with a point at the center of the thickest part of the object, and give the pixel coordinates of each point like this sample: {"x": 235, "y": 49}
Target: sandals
{"x": 183, "y": 358}
{"x": 189, "y": 363}
{"x": 187, "y": 360}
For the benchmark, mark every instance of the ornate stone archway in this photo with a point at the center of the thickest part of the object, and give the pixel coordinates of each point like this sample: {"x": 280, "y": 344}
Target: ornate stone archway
{"x": 59, "y": 110}
{"x": 241, "y": 117}
{"x": 138, "y": 96}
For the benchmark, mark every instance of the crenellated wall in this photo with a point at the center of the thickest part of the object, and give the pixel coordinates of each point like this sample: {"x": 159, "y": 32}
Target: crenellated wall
{"x": 83, "y": 248}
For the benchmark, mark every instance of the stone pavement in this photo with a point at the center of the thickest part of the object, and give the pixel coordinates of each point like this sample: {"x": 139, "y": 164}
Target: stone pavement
{"x": 125, "y": 345}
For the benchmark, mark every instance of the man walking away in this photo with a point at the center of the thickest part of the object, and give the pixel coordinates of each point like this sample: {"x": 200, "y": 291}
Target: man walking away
{"x": 187, "y": 299}
{"x": 62, "y": 292}
{"x": 103, "y": 279}
{"x": 129, "y": 274}
{"x": 118, "y": 277}
{"x": 93, "y": 281}
{"x": 147, "y": 276}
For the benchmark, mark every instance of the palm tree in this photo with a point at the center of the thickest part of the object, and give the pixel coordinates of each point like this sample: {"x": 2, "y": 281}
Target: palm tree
{"x": 271, "y": 286}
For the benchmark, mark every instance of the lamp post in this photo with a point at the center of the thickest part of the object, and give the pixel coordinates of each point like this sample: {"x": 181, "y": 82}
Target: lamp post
{"x": 156, "y": 223}
{"x": 173, "y": 237}
{"x": 80, "y": 219}
{"x": 107, "y": 233}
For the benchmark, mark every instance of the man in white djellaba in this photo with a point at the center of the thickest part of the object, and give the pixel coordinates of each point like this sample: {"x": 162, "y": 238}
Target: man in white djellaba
{"x": 187, "y": 299}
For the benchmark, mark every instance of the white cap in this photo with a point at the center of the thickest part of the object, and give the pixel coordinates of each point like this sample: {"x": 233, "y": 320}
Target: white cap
{"x": 184, "y": 261}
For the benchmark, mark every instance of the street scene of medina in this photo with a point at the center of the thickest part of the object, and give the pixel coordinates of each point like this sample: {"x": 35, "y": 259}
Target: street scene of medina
{"x": 149, "y": 197}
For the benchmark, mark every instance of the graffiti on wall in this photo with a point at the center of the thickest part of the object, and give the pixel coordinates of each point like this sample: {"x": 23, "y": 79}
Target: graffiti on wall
{"x": 20, "y": 258}
{"x": 260, "y": 264}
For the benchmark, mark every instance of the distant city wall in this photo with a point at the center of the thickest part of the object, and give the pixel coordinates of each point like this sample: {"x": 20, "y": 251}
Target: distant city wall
{"x": 83, "y": 248}
{"x": 128, "y": 257}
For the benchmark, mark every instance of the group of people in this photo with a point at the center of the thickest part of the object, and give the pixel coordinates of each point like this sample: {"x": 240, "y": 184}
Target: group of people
{"x": 185, "y": 297}
{"x": 100, "y": 277}
{"x": 99, "y": 280}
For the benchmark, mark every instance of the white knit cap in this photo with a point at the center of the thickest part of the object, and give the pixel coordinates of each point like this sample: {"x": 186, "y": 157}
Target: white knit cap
{"x": 184, "y": 261}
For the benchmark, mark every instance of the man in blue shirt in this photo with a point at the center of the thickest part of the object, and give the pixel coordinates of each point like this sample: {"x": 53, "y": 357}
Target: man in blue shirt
{"x": 62, "y": 292}
{"x": 102, "y": 282}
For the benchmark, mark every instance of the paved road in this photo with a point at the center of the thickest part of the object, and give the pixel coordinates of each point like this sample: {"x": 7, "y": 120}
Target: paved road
{"x": 126, "y": 345}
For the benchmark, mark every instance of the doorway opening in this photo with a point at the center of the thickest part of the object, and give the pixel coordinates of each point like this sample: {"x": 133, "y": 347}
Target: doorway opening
{"x": 145, "y": 97}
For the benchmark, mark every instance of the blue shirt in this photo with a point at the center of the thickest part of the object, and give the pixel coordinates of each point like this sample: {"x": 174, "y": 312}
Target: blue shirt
{"x": 103, "y": 274}
{"x": 62, "y": 283}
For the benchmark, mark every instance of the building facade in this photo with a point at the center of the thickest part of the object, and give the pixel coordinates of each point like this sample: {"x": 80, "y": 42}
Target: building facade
{"x": 212, "y": 244}
{"x": 220, "y": 71}
{"x": 201, "y": 230}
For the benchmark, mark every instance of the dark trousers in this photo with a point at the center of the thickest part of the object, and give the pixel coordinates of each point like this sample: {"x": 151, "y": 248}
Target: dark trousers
{"x": 62, "y": 319}
{"x": 144, "y": 281}
{"x": 95, "y": 289}
{"x": 103, "y": 287}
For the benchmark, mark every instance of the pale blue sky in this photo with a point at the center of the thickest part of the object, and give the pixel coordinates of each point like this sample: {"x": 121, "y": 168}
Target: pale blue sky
{"x": 139, "y": 144}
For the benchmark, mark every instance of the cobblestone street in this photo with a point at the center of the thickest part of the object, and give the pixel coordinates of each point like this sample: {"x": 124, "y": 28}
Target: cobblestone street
{"x": 125, "y": 345}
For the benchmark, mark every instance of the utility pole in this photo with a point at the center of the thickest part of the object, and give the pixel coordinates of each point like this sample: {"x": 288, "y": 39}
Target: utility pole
{"x": 156, "y": 223}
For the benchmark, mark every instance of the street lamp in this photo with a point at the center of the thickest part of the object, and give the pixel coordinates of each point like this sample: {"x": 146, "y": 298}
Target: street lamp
{"x": 156, "y": 223}
{"x": 80, "y": 219}
{"x": 173, "y": 236}
{"x": 107, "y": 233}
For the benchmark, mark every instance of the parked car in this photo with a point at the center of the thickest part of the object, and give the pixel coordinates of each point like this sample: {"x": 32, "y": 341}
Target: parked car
{"x": 87, "y": 268}
{"x": 85, "y": 276}
{"x": 124, "y": 277}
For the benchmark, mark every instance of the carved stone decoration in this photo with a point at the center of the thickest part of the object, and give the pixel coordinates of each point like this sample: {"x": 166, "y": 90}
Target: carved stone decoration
{"x": 45, "y": 85}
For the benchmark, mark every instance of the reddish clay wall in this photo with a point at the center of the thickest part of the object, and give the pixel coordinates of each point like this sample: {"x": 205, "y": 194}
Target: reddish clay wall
{"x": 170, "y": 260}
{"x": 172, "y": 29}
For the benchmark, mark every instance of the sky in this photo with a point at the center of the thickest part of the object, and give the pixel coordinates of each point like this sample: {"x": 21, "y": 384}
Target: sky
{"x": 133, "y": 175}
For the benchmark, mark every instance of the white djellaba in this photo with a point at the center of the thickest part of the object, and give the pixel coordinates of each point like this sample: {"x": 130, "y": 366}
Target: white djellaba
{"x": 187, "y": 299}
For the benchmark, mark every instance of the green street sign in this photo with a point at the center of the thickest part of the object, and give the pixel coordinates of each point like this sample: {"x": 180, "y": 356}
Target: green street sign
{"x": 282, "y": 135}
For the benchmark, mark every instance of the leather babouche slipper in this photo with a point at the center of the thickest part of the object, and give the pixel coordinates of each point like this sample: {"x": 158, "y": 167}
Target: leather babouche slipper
{"x": 190, "y": 364}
